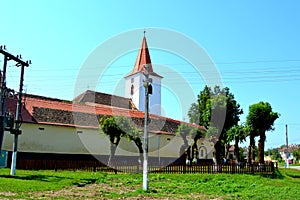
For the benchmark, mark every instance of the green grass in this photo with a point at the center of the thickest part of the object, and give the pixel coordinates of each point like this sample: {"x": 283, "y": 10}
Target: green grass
{"x": 298, "y": 164}
{"x": 81, "y": 185}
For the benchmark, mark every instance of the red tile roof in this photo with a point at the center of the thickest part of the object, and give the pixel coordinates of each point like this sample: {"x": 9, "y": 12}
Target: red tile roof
{"x": 44, "y": 110}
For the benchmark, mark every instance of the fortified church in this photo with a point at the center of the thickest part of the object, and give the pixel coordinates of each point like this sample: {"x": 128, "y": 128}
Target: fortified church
{"x": 55, "y": 129}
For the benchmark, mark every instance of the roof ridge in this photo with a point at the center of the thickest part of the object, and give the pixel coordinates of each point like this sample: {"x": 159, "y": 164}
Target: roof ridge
{"x": 34, "y": 96}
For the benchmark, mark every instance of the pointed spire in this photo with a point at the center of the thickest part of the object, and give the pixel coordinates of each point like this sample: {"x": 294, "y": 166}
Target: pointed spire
{"x": 142, "y": 59}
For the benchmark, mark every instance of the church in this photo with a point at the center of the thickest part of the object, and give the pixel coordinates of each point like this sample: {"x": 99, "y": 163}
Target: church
{"x": 56, "y": 129}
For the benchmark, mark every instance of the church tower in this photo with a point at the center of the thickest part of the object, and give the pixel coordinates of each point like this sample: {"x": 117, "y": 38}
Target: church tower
{"x": 134, "y": 87}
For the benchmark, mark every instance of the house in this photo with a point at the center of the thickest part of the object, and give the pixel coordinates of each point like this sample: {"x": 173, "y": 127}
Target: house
{"x": 59, "y": 129}
{"x": 284, "y": 155}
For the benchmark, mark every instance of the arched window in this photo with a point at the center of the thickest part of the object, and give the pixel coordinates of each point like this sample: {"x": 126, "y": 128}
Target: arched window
{"x": 201, "y": 153}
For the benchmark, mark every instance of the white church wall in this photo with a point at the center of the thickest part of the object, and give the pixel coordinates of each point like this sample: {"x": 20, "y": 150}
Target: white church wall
{"x": 205, "y": 149}
{"x": 69, "y": 140}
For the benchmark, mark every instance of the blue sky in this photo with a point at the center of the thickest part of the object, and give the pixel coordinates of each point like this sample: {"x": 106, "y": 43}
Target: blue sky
{"x": 255, "y": 46}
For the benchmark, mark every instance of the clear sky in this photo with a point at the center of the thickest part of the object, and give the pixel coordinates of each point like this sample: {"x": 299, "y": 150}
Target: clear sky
{"x": 254, "y": 44}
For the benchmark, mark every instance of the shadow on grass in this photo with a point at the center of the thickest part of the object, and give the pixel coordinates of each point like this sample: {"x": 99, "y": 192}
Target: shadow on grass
{"x": 45, "y": 178}
{"x": 276, "y": 175}
{"x": 292, "y": 173}
{"x": 84, "y": 182}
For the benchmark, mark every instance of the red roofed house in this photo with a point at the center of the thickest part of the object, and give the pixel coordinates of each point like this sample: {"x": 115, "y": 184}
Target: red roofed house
{"x": 59, "y": 129}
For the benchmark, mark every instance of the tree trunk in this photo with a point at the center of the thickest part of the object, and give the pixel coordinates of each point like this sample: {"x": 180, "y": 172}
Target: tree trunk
{"x": 187, "y": 148}
{"x": 251, "y": 156}
{"x": 227, "y": 147}
{"x": 217, "y": 152}
{"x": 113, "y": 147}
{"x": 237, "y": 150}
{"x": 185, "y": 142}
{"x": 195, "y": 153}
{"x": 139, "y": 145}
{"x": 111, "y": 159}
{"x": 261, "y": 148}
{"x": 188, "y": 152}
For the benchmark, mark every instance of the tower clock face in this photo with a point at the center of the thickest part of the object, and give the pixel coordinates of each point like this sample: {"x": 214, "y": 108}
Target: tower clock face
{"x": 132, "y": 90}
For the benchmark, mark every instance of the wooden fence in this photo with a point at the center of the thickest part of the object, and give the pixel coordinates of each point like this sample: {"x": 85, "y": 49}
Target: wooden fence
{"x": 200, "y": 167}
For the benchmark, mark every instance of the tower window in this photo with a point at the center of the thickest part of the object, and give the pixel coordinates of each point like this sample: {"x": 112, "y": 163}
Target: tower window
{"x": 132, "y": 89}
{"x": 132, "y": 80}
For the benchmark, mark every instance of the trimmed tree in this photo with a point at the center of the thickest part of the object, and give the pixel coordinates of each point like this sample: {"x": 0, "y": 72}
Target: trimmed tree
{"x": 185, "y": 130}
{"x": 116, "y": 127}
{"x": 110, "y": 128}
{"x": 261, "y": 119}
{"x": 237, "y": 133}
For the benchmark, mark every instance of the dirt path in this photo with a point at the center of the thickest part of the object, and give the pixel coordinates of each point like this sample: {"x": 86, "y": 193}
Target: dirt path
{"x": 101, "y": 191}
{"x": 295, "y": 167}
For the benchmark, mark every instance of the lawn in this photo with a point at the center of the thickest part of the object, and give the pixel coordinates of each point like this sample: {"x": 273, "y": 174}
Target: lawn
{"x": 99, "y": 185}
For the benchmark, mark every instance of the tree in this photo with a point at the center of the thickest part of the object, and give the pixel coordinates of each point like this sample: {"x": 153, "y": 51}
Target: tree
{"x": 261, "y": 119}
{"x": 185, "y": 130}
{"x": 237, "y": 133}
{"x": 134, "y": 134}
{"x": 218, "y": 111}
{"x": 193, "y": 113}
{"x": 110, "y": 128}
{"x": 116, "y": 127}
{"x": 275, "y": 155}
{"x": 296, "y": 154}
{"x": 199, "y": 113}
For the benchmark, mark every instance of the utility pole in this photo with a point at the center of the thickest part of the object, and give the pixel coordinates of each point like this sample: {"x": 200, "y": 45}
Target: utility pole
{"x": 3, "y": 100}
{"x": 145, "y": 163}
{"x": 16, "y": 130}
{"x": 287, "y": 146}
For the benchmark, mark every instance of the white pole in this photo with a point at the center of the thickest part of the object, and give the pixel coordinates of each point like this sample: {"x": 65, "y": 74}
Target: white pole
{"x": 145, "y": 163}
{"x": 17, "y": 130}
